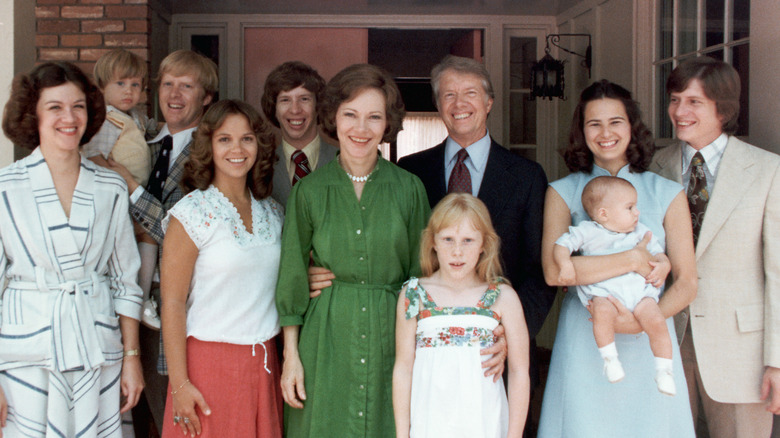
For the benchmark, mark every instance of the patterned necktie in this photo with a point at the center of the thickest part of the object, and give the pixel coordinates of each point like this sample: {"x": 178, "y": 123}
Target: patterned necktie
{"x": 301, "y": 166}
{"x": 460, "y": 178}
{"x": 160, "y": 170}
{"x": 698, "y": 196}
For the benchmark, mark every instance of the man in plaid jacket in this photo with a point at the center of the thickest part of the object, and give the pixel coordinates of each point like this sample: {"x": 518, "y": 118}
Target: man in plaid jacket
{"x": 187, "y": 85}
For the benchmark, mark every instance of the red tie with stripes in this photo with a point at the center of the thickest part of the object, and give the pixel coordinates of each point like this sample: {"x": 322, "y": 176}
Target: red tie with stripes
{"x": 301, "y": 166}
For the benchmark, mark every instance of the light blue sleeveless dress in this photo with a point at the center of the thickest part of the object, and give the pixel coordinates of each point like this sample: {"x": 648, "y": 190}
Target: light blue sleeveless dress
{"x": 578, "y": 399}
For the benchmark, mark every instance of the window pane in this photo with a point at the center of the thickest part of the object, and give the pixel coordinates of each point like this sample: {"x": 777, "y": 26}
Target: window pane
{"x": 665, "y": 34}
{"x": 522, "y": 55}
{"x": 687, "y": 26}
{"x": 522, "y": 119}
{"x": 741, "y": 21}
{"x": 741, "y": 62}
{"x": 662, "y": 101}
{"x": 717, "y": 54}
{"x": 713, "y": 13}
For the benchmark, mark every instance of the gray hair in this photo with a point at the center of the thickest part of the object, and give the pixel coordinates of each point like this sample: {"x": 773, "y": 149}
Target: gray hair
{"x": 463, "y": 65}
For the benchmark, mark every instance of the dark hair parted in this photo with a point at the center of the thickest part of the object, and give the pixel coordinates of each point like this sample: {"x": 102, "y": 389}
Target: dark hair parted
{"x": 720, "y": 83}
{"x": 640, "y": 149}
{"x": 286, "y": 77}
{"x": 20, "y": 118}
{"x": 199, "y": 170}
{"x": 348, "y": 83}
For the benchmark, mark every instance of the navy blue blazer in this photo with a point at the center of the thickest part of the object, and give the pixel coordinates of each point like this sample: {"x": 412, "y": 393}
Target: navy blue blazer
{"x": 513, "y": 189}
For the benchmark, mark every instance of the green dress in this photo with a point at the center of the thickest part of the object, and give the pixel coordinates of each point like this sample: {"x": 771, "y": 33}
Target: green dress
{"x": 347, "y": 338}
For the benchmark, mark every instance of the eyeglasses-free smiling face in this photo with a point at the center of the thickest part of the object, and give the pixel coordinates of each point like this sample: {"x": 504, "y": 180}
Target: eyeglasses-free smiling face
{"x": 234, "y": 147}
{"x": 607, "y": 132}
{"x": 695, "y": 116}
{"x": 361, "y": 124}
{"x": 62, "y": 117}
{"x": 297, "y": 116}
{"x": 458, "y": 248}
{"x": 464, "y": 106}
{"x": 182, "y": 99}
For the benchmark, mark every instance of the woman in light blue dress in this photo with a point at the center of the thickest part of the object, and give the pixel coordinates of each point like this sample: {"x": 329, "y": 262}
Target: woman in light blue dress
{"x": 608, "y": 138}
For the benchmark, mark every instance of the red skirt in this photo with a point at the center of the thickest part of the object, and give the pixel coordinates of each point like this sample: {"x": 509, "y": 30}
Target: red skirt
{"x": 245, "y": 399}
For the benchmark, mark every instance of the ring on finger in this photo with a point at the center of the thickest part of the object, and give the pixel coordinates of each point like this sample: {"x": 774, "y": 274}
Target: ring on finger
{"x": 186, "y": 420}
{"x": 176, "y": 419}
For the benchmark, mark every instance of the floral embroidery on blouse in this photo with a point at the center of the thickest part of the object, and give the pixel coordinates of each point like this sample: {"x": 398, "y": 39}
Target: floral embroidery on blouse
{"x": 201, "y": 211}
{"x": 419, "y": 304}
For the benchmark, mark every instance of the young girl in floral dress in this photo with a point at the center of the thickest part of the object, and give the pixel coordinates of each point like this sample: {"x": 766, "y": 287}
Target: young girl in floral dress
{"x": 442, "y": 322}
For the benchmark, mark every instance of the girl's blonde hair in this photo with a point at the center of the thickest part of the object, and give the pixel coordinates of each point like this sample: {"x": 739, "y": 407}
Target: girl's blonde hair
{"x": 448, "y": 212}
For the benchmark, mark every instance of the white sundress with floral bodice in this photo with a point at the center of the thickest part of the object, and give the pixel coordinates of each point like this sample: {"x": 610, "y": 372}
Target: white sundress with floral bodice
{"x": 451, "y": 397}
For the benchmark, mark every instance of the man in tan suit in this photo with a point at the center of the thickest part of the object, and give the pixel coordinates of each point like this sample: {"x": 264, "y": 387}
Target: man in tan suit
{"x": 731, "y": 331}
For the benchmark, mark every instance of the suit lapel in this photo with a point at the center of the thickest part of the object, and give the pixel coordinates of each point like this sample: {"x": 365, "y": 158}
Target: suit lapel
{"x": 176, "y": 172}
{"x": 735, "y": 177}
{"x": 668, "y": 163}
{"x": 490, "y": 190}
{"x": 435, "y": 179}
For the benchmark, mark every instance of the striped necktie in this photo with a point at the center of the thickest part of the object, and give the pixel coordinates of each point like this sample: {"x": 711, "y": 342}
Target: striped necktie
{"x": 301, "y": 166}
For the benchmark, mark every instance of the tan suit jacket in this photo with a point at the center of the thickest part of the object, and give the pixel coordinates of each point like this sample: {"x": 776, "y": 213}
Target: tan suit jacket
{"x": 735, "y": 318}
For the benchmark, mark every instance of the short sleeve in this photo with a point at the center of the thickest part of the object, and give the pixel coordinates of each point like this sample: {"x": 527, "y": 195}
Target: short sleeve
{"x": 411, "y": 298}
{"x": 572, "y": 240}
{"x": 195, "y": 214}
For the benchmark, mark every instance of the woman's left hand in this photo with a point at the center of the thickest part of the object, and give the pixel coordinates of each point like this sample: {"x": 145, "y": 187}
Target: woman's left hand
{"x": 132, "y": 382}
{"x": 625, "y": 322}
{"x": 495, "y": 364}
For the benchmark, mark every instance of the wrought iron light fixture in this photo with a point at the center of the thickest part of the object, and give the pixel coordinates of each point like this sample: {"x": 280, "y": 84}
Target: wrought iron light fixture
{"x": 547, "y": 73}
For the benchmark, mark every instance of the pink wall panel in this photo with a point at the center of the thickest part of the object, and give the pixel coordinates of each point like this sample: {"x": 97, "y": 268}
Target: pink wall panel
{"x": 327, "y": 50}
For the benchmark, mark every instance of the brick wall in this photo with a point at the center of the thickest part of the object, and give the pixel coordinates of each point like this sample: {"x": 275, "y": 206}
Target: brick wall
{"x": 80, "y": 31}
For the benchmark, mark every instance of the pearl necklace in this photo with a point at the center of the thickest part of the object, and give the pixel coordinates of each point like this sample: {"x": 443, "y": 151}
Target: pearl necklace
{"x": 357, "y": 179}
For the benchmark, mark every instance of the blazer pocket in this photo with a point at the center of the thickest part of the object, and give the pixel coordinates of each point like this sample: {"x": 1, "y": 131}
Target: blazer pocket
{"x": 750, "y": 318}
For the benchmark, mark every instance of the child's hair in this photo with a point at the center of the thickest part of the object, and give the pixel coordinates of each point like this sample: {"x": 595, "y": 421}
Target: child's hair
{"x": 594, "y": 192}
{"x": 448, "y": 212}
{"x": 199, "y": 170}
{"x": 119, "y": 64}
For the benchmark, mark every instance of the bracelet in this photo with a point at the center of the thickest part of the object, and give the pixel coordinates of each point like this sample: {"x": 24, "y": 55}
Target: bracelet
{"x": 135, "y": 352}
{"x": 180, "y": 387}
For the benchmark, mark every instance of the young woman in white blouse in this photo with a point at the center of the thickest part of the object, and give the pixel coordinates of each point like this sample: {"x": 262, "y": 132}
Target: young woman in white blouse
{"x": 218, "y": 276}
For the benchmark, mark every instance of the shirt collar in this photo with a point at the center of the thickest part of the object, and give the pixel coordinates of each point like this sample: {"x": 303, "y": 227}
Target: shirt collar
{"x": 312, "y": 151}
{"x": 478, "y": 151}
{"x": 712, "y": 153}
{"x": 180, "y": 139}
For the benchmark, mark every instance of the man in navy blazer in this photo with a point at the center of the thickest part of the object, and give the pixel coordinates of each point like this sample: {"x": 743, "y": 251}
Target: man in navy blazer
{"x": 511, "y": 187}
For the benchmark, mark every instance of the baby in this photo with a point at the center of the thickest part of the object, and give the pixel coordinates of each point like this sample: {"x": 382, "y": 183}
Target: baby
{"x": 121, "y": 76}
{"x": 611, "y": 204}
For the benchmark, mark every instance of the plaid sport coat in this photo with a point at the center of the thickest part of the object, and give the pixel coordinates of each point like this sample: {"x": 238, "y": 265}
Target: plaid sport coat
{"x": 149, "y": 212}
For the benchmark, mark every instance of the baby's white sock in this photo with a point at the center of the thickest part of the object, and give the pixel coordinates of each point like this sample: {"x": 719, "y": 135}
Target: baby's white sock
{"x": 608, "y": 351}
{"x": 663, "y": 364}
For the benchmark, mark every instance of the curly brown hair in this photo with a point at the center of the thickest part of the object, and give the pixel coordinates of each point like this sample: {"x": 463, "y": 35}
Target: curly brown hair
{"x": 641, "y": 148}
{"x": 20, "y": 118}
{"x": 199, "y": 170}
{"x": 348, "y": 83}
{"x": 286, "y": 77}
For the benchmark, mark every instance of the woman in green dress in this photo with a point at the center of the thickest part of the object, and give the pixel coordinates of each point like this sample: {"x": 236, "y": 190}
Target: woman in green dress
{"x": 360, "y": 217}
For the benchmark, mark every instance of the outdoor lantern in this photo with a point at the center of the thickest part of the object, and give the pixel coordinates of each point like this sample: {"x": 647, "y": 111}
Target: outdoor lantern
{"x": 547, "y": 80}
